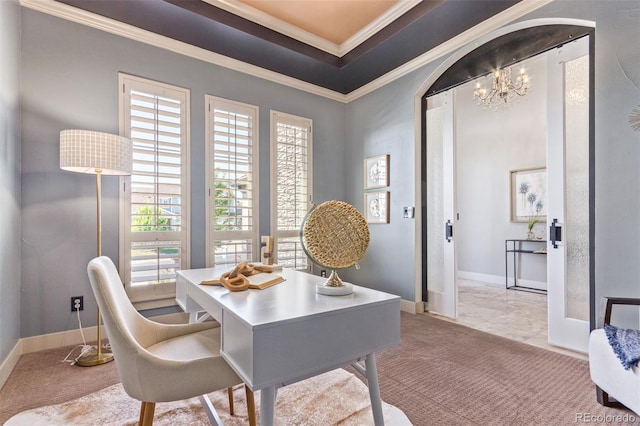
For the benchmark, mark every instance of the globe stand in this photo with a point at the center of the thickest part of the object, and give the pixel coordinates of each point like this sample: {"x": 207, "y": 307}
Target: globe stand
{"x": 334, "y": 286}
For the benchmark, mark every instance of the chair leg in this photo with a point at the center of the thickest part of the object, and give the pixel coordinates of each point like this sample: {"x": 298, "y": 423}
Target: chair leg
{"x": 230, "y": 392}
{"x": 142, "y": 407}
{"x": 251, "y": 406}
{"x": 147, "y": 410}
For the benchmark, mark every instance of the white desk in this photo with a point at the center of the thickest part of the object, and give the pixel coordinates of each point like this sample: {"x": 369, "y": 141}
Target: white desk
{"x": 288, "y": 332}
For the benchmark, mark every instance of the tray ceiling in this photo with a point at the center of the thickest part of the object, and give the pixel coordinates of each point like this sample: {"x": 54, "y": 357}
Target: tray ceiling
{"x": 335, "y": 21}
{"x": 340, "y": 45}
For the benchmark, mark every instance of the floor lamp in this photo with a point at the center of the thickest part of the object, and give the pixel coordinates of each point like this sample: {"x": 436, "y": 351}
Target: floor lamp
{"x": 85, "y": 151}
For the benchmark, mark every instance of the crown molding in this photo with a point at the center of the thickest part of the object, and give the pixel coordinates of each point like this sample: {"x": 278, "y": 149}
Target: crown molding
{"x": 339, "y": 50}
{"x": 393, "y": 13}
{"x": 80, "y": 16}
{"x": 268, "y": 21}
{"x": 469, "y": 36}
{"x": 112, "y": 26}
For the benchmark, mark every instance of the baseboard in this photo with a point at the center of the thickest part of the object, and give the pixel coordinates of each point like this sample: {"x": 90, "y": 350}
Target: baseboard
{"x": 499, "y": 279}
{"x": 10, "y": 362}
{"x": 483, "y": 278}
{"x": 411, "y": 307}
{"x": 74, "y": 337}
{"x": 61, "y": 339}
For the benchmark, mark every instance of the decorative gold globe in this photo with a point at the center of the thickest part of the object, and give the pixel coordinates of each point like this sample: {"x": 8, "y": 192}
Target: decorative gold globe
{"x": 335, "y": 235}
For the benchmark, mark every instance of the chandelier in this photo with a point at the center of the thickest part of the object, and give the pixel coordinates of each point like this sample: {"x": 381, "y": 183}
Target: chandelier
{"x": 503, "y": 89}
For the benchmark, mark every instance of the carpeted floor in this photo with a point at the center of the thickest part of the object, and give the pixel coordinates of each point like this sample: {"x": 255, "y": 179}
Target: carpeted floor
{"x": 441, "y": 374}
{"x": 335, "y": 397}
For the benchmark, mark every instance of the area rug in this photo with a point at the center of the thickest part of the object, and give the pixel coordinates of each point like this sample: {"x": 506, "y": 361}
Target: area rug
{"x": 333, "y": 398}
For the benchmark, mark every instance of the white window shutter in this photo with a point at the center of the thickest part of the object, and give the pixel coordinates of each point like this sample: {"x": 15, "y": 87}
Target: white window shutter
{"x": 291, "y": 185}
{"x": 232, "y": 182}
{"x": 154, "y": 223}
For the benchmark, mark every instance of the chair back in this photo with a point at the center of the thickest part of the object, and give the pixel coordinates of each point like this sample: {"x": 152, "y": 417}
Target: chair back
{"x": 126, "y": 328}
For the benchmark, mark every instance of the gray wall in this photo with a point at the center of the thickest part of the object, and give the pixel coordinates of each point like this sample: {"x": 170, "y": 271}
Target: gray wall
{"x": 382, "y": 122}
{"x": 9, "y": 176}
{"x": 488, "y": 145}
{"x": 70, "y": 76}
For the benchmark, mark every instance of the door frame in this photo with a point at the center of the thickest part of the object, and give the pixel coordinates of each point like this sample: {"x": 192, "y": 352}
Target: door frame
{"x": 420, "y": 139}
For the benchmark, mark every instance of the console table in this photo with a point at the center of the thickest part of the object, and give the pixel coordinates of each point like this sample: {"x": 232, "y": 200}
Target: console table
{"x": 516, "y": 246}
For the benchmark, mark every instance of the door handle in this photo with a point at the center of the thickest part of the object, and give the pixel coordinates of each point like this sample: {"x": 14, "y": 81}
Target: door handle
{"x": 448, "y": 231}
{"x": 555, "y": 233}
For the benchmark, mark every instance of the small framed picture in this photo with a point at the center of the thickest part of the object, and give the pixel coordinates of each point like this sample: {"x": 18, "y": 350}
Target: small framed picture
{"x": 376, "y": 205}
{"x": 376, "y": 172}
{"x": 528, "y": 194}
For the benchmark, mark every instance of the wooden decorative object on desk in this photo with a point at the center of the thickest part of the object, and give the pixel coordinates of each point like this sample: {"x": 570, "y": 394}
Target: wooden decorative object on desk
{"x": 245, "y": 276}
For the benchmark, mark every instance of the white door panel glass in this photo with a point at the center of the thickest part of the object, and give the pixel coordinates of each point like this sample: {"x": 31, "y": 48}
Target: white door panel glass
{"x": 576, "y": 75}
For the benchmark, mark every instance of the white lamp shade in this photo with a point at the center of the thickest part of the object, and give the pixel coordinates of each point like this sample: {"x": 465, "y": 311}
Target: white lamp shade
{"x": 86, "y": 151}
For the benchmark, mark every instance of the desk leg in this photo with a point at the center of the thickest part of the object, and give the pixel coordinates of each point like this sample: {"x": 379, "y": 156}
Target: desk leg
{"x": 267, "y": 405}
{"x": 374, "y": 390}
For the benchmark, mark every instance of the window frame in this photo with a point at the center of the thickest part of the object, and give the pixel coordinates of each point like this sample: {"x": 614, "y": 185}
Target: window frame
{"x": 278, "y": 117}
{"x": 163, "y": 294}
{"x": 211, "y": 234}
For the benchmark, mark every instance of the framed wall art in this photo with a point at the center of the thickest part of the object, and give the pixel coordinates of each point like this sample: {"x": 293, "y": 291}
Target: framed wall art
{"x": 376, "y": 172}
{"x": 528, "y": 194}
{"x": 376, "y": 205}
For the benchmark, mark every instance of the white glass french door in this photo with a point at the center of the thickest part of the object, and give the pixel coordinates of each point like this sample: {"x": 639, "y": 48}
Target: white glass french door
{"x": 442, "y": 292}
{"x": 568, "y": 263}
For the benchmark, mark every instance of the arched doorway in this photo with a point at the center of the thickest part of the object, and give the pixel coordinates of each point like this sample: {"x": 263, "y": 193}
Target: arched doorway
{"x": 499, "y": 49}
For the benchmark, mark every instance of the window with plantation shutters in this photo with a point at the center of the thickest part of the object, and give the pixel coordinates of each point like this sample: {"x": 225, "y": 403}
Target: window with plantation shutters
{"x": 290, "y": 186}
{"x": 232, "y": 182}
{"x": 154, "y": 219}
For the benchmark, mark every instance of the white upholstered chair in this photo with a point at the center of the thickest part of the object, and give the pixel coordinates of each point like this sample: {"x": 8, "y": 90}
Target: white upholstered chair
{"x": 160, "y": 362}
{"x": 607, "y": 372}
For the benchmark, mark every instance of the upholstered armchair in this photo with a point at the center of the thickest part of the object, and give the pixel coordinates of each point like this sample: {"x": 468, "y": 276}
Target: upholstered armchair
{"x": 160, "y": 362}
{"x": 607, "y": 372}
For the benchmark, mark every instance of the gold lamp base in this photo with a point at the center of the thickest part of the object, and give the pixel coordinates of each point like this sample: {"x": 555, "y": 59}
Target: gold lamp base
{"x": 92, "y": 358}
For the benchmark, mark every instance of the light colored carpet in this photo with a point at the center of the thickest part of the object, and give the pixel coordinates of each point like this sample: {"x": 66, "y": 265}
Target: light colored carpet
{"x": 333, "y": 398}
{"x": 440, "y": 374}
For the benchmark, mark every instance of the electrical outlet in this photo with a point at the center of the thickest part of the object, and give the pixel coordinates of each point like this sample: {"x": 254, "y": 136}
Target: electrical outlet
{"x": 77, "y": 300}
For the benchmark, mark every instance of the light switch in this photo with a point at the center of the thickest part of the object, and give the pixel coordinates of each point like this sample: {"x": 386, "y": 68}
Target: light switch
{"x": 407, "y": 212}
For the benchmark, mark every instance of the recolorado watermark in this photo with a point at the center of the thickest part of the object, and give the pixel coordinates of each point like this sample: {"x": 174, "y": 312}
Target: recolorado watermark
{"x": 604, "y": 418}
